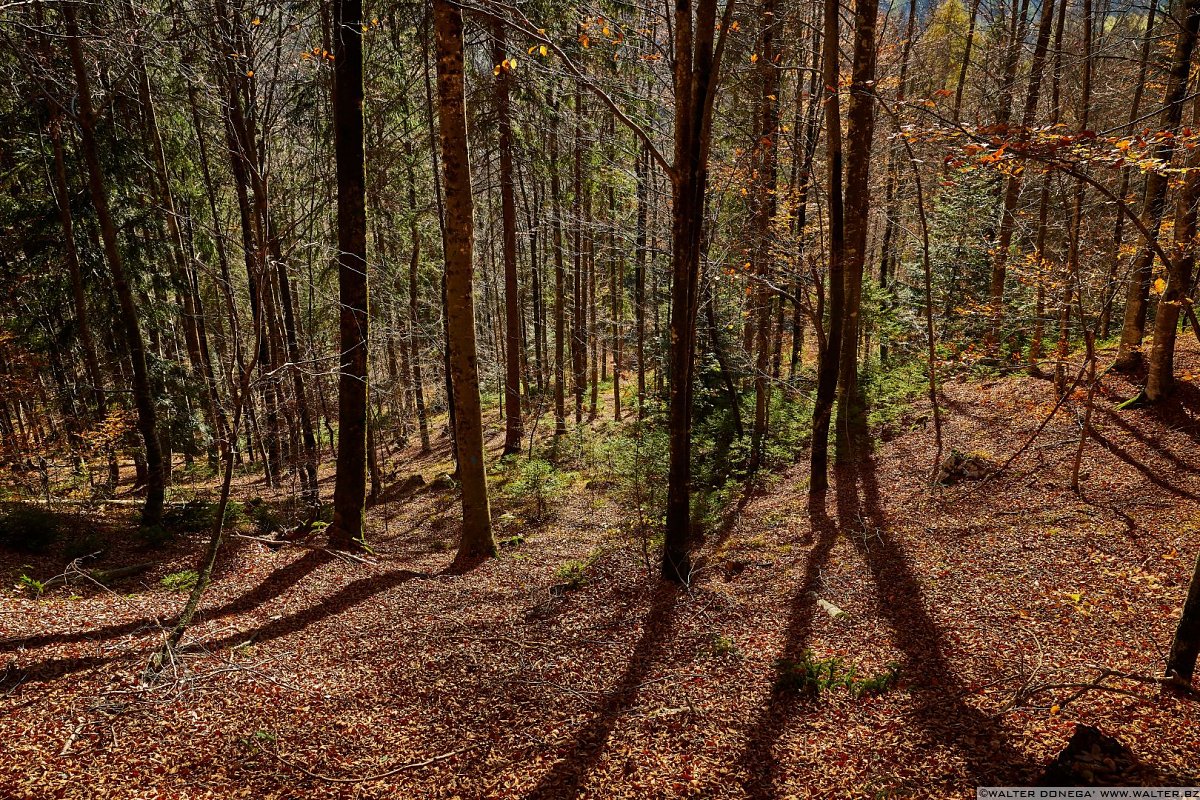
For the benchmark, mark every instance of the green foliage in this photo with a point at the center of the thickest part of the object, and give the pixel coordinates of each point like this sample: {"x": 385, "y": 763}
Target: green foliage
{"x": 810, "y": 675}
{"x": 722, "y": 645}
{"x": 183, "y": 581}
{"x": 28, "y": 528}
{"x": 877, "y": 684}
{"x": 264, "y": 518}
{"x": 30, "y": 585}
{"x": 573, "y": 574}
{"x": 890, "y": 391}
{"x": 537, "y": 482}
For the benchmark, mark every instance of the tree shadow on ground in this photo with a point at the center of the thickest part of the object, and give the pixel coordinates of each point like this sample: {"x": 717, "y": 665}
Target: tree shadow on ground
{"x": 566, "y": 777}
{"x": 1149, "y": 474}
{"x": 353, "y": 594}
{"x": 272, "y": 586}
{"x": 942, "y": 713}
{"x": 758, "y": 763}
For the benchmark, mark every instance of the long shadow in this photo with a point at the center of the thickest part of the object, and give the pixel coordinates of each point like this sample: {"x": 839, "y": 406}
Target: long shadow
{"x": 1158, "y": 448}
{"x": 1150, "y": 474}
{"x": 758, "y": 762}
{"x": 347, "y": 597}
{"x": 272, "y": 586}
{"x": 941, "y": 711}
{"x": 566, "y": 777}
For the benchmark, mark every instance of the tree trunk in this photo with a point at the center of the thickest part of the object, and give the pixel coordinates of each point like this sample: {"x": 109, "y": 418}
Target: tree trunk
{"x": 477, "y": 538}
{"x": 1185, "y": 647}
{"x": 1012, "y": 192}
{"x": 827, "y": 370}
{"x": 696, "y": 75}
{"x": 762, "y": 215}
{"x": 349, "y": 494}
{"x": 860, "y": 134}
{"x": 142, "y": 396}
{"x": 1161, "y": 376}
{"x": 1137, "y": 293}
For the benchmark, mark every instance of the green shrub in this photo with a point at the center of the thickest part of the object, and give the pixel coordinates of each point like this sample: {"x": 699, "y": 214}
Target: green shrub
{"x": 537, "y": 482}
{"x": 183, "y": 581}
{"x": 722, "y": 645}
{"x": 878, "y": 684}
{"x": 264, "y": 518}
{"x": 31, "y": 585}
{"x": 29, "y": 529}
{"x": 573, "y": 574}
{"x": 808, "y": 675}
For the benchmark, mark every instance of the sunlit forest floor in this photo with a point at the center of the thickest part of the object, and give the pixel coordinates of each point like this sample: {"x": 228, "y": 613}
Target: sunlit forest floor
{"x": 891, "y": 644}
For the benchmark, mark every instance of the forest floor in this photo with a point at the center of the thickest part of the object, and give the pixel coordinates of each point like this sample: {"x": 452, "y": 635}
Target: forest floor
{"x": 893, "y": 643}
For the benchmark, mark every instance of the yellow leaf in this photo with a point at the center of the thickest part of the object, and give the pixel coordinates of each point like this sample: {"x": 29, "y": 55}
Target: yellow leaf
{"x": 1160, "y": 286}
{"x": 753, "y": 58}
{"x": 257, "y": 21}
{"x": 250, "y": 73}
{"x": 542, "y": 50}
{"x": 1054, "y": 709}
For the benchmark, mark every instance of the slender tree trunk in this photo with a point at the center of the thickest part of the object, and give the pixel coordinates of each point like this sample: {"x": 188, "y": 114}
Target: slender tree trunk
{"x": 142, "y": 396}
{"x": 1161, "y": 375}
{"x": 1135, "y": 111}
{"x": 512, "y": 313}
{"x": 827, "y": 370}
{"x": 560, "y": 279}
{"x": 1137, "y": 293}
{"x": 1012, "y": 192}
{"x": 477, "y": 538}
{"x": 349, "y": 494}
{"x": 696, "y": 76}
{"x": 639, "y": 288}
{"x": 763, "y": 214}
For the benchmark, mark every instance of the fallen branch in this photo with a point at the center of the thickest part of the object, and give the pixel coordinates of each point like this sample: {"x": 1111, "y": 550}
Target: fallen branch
{"x": 100, "y": 576}
{"x": 365, "y": 778}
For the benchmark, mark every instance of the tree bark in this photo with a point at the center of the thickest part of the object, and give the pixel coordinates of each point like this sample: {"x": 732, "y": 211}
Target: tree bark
{"x": 349, "y": 494}
{"x": 142, "y": 396}
{"x": 512, "y": 314}
{"x": 1137, "y": 292}
{"x": 477, "y": 538}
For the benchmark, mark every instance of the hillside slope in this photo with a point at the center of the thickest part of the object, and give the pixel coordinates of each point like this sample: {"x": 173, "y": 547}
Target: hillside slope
{"x": 953, "y": 630}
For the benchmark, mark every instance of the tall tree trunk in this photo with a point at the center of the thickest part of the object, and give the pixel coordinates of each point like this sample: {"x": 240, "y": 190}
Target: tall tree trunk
{"x": 512, "y": 314}
{"x": 695, "y": 80}
{"x": 349, "y": 493}
{"x": 142, "y": 396}
{"x": 1185, "y": 647}
{"x": 1012, "y": 192}
{"x": 1135, "y": 111}
{"x": 762, "y": 215}
{"x": 860, "y": 135}
{"x": 827, "y": 370}
{"x": 477, "y": 538}
{"x": 1161, "y": 374}
{"x": 560, "y": 279}
{"x": 1137, "y": 293}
